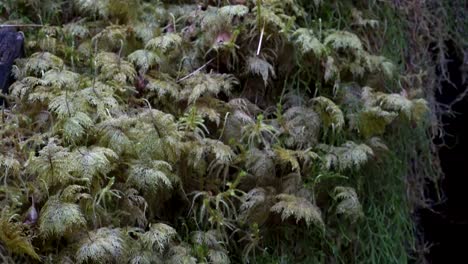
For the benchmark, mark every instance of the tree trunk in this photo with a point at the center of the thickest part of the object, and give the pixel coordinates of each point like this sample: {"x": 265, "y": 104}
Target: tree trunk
{"x": 11, "y": 48}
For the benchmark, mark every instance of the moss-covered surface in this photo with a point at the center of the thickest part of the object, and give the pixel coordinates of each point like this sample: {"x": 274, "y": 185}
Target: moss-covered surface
{"x": 234, "y": 131}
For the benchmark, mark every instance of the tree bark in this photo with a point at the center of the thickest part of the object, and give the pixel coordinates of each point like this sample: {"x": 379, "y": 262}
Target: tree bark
{"x": 11, "y": 48}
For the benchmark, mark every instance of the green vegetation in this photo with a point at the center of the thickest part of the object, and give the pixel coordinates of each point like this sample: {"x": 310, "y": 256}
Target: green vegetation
{"x": 259, "y": 131}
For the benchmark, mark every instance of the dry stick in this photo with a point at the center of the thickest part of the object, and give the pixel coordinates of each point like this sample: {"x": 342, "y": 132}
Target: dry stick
{"x": 261, "y": 39}
{"x": 21, "y": 25}
{"x": 196, "y": 71}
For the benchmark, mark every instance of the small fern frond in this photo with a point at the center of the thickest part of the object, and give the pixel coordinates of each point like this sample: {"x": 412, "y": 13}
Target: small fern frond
{"x": 180, "y": 255}
{"x": 232, "y": 11}
{"x": 112, "y": 67}
{"x": 255, "y": 206}
{"x": 94, "y": 6}
{"x": 307, "y": 42}
{"x": 287, "y": 156}
{"x": 298, "y": 207}
{"x": 101, "y": 246}
{"x": 207, "y": 85}
{"x": 62, "y": 79}
{"x": 210, "y": 239}
{"x": 94, "y": 161}
{"x": 348, "y": 156}
{"x": 261, "y": 164}
{"x": 343, "y": 40}
{"x": 53, "y": 165}
{"x": 67, "y": 104}
{"x": 348, "y": 202}
{"x": 411, "y": 109}
{"x": 259, "y": 66}
{"x": 158, "y": 237}
{"x": 38, "y": 63}
{"x": 330, "y": 113}
{"x": 75, "y": 127}
{"x": 144, "y": 59}
{"x": 218, "y": 256}
{"x": 100, "y": 97}
{"x": 22, "y": 88}
{"x": 58, "y": 218}
{"x": 302, "y": 125}
{"x": 8, "y": 164}
{"x": 13, "y": 237}
{"x": 113, "y": 133}
{"x": 73, "y": 193}
{"x": 111, "y": 37}
{"x": 373, "y": 121}
{"x": 152, "y": 176}
{"x": 75, "y": 29}
{"x": 164, "y": 43}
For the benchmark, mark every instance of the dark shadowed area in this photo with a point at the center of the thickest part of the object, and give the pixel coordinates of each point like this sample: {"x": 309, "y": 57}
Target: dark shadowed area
{"x": 447, "y": 225}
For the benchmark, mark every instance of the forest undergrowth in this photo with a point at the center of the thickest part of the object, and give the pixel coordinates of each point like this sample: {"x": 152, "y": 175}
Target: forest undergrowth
{"x": 241, "y": 131}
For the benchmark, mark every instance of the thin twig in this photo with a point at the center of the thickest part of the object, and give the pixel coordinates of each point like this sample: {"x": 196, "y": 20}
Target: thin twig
{"x": 21, "y": 25}
{"x": 261, "y": 39}
{"x": 196, "y": 71}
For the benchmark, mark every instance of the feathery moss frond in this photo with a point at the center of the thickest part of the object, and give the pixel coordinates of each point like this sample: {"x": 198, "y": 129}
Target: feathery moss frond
{"x": 144, "y": 59}
{"x": 67, "y": 104}
{"x": 207, "y": 85}
{"x": 302, "y": 125}
{"x": 298, "y": 207}
{"x": 94, "y": 6}
{"x": 111, "y": 38}
{"x": 94, "y": 161}
{"x": 9, "y": 164}
{"x": 330, "y": 113}
{"x": 152, "y": 176}
{"x": 180, "y": 255}
{"x": 287, "y": 156}
{"x": 75, "y": 127}
{"x": 348, "y": 156}
{"x": 261, "y": 67}
{"x": 210, "y": 238}
{"x": 158, "y": 237}
{"x": 62, "y": 79}
{"x": 373, "y": 121}
{"x": 348, "y": 202}
{"x": 218, "y": 256}
{"x": 412, "y": 109}
{"x": 73, "y": 193}
{"x": 164, "y": 43}
{"x": 307, "y": 42}
{"x": 113, "y": 133}
{"x": 261, "y": 164}
{"x": 101, "y": 246}
{"x": 75, "y": 29}
{"x": 13, "y": 237}
{"x": 58, "y": 218}
{"x": 112, "y": 67}
{"x": 22, "y": 88}
{"x": 259, "y": 133}
{"x": 255, "y": 207}
{"x": 233, "y": 11}
{"x": 39, "y": 63}
{"x": 343, "y": 40}
{"x": 163, "y": 86}
{"x": 53, "y": 165}
{"x": 101, "y": 98}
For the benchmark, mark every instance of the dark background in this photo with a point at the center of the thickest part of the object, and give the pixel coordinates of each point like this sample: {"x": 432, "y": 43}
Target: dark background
{"x": 445, "y": 227}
